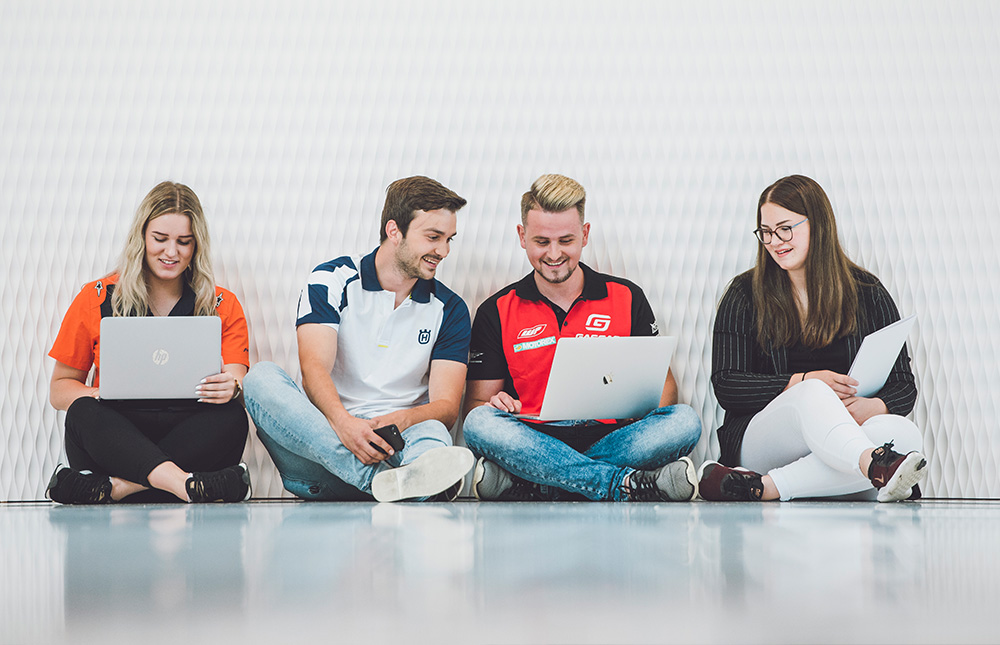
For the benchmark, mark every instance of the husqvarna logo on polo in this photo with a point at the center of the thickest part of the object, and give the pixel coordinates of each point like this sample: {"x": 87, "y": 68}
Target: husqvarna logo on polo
{"x": 424, "y": 336}
{"x": 531, "y": 332}
{"x": 160, "y": 357}
{"x": 598, "y": 322}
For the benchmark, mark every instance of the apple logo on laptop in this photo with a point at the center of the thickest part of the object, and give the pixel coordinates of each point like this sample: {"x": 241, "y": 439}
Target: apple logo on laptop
{"x": 160, "y": 357}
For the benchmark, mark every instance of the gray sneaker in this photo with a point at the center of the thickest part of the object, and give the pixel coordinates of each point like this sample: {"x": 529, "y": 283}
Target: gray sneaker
{"x": 490, "y": 482}
{"x": 431, "y": 473}
{"x": 675, "y": 482}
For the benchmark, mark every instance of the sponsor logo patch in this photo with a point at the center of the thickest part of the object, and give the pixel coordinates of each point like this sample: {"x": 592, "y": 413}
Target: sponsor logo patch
{"x": 598, "y": 322}
{"x": 531, "y": 332}
{"x": 535, "y": 344}
{"x": 424, "y": 336}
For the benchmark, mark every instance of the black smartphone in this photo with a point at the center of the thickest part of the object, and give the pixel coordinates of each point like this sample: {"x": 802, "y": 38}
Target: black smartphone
{"x": 390, "y": 434}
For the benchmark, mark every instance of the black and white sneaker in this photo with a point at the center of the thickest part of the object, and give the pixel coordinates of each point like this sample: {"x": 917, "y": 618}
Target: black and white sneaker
{"x": 227, "y": 485}
{"x": 674, "y": 482}
{"x": 433, "y": 472}
{"x": 68, "y": 486}
{"x": 490, "y": 482}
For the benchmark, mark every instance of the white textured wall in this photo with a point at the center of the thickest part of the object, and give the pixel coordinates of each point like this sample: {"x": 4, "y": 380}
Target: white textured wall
{"x": 289, "y": 119}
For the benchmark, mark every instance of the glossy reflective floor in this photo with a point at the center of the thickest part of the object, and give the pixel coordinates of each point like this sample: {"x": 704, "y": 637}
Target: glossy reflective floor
{"x": 278, "y": 572}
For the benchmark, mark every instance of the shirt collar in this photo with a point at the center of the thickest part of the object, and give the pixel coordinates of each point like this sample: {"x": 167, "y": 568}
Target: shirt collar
{"x": 595, "y": 286}
{"x": 184, "y": 306}
{"x": 421, "y": 291}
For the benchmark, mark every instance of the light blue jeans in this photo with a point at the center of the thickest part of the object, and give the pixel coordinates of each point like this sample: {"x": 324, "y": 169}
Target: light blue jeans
{"x": 662, "y": 436}
{"x": 309, "y": 455}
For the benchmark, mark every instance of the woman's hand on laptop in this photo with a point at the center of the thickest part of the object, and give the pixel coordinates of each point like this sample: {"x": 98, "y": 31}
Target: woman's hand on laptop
{"x": 217, "y": 388}
{"x": 505, "y": 402}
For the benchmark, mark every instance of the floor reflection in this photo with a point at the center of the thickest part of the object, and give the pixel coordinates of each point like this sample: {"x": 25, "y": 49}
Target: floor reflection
{"x": 467, "y": 572}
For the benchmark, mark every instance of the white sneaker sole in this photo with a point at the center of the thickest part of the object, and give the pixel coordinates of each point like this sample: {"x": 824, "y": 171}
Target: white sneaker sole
{"x": 246, "y": 480}
{"x": 477, "y": 477}
{"x": 429, "y": 474}
{"x": 909, "y": 473}
{"x": 692, "y": 477}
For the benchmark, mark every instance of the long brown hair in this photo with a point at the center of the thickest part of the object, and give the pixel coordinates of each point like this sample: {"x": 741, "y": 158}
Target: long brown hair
{"x": 831, "y": 286}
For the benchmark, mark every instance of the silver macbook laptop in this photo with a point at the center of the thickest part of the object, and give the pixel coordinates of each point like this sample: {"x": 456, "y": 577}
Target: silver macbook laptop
{"x": 606, "y": 377}
{"x": 158, "y": 358}
{"x": 877, "y": 354}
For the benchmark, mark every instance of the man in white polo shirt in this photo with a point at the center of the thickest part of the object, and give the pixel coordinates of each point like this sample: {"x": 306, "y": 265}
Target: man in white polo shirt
{"x": 381, "y": 343}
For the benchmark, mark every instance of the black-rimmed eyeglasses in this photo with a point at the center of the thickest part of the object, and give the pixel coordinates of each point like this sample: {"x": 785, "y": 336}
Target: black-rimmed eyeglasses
{"x": 783, "y": 233}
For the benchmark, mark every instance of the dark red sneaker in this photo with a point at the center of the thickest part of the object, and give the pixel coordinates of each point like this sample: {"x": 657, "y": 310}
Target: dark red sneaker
{"x": 718, "y": 483}
{"x": 894, "y": 475}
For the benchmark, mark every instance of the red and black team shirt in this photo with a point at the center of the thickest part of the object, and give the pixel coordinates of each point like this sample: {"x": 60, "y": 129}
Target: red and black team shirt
{"x": 515, "y": 331}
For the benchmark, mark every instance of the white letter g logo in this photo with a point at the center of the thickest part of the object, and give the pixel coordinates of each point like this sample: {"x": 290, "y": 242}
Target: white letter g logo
{"x": 598, "y": 322}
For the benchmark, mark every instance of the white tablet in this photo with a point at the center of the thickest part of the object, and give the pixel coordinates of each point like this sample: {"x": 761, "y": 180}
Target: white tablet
{"x": 877, "y": 354}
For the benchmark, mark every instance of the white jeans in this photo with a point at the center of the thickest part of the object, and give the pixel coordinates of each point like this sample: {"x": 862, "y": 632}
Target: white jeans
{"x": 809, "y": 444}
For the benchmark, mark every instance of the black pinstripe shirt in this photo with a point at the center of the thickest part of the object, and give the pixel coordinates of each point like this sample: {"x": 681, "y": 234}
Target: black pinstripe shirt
{"x": 746, "y": 377}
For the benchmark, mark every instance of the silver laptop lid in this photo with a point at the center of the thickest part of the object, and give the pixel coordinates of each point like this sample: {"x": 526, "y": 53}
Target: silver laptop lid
{"x": 607, "y": 377}
{"x": 158, "y": 357}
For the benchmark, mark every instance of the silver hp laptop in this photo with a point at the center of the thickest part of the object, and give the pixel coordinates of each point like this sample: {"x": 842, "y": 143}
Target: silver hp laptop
{"x": 877, "y": 354}
{"x": 158, "y": 358}
{"x": 606, "y": 377}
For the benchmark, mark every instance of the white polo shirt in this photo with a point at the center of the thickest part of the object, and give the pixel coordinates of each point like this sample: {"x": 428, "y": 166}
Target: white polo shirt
{"x": 383, "y": 352}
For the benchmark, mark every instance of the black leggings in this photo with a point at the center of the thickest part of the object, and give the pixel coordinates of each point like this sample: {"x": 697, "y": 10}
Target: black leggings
{"x": 130, "y": 439}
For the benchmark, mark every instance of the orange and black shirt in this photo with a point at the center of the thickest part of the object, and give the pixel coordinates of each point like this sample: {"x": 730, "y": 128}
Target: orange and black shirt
{"x": 515, "y": 332}
{"x": 78, "y": 344}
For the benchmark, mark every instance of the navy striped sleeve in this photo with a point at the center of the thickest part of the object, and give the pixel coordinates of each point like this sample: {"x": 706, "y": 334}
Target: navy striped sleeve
{"x": 452, "y": 343}
{"x": 325, "y": 295}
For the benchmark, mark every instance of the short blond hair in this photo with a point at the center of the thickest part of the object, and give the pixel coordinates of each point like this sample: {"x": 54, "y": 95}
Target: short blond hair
{"x": 553, "y": 194}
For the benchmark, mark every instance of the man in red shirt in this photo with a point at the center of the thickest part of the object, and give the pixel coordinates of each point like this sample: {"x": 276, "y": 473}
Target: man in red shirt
{"x": 513, "y": 342}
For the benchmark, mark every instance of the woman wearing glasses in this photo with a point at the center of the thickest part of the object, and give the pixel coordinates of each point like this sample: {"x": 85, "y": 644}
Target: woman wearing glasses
{"x": 785, "y": 336}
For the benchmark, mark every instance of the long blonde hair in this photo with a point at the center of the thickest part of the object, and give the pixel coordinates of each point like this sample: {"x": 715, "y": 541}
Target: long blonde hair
{"x": 131, "y": 295}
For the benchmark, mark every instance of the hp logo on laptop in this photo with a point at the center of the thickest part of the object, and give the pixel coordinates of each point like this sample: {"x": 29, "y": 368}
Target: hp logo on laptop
{"x": 160, "y": 357}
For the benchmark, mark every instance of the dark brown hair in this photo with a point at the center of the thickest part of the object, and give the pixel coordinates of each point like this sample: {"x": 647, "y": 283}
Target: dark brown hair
{"x": 404, "y": 196}
{"x": 831, "y": 286}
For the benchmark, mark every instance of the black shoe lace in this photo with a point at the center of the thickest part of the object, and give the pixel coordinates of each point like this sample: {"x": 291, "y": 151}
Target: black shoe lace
{"x": 642, "y": 487}
{"x": 521, "y": 491}
{"x": 743, "y": 486}
{"x": 884, "y": 455}
{"x": 219, "y": 485}
{"x": 85, "y": 489}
